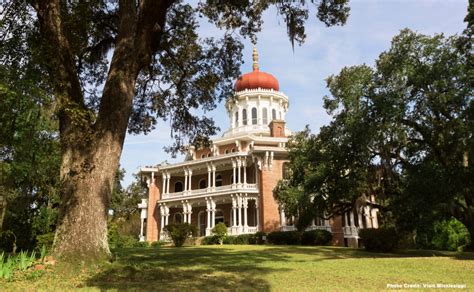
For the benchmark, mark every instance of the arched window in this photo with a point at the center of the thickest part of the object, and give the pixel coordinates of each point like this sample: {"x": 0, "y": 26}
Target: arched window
{"x": 203, "y": 156}
{"x": 177, "y": 218}
{"x": 226, "y": 151}
{"x": 237, "y": 119}
{"x": 218, "y": 180}
{"x": 254, "y": 116}
{"x": 264, "y": 116}
{"x": 274, "y": 114}
{"x": 178, "y": 187}
{"x": 202, "y": 183}
{"x": 244, "y": 117}
{"x": 209, "y": 154}
{"x": 233, "y": 150}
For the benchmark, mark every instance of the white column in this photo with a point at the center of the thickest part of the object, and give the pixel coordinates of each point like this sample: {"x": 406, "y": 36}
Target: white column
{"x": 190, "y": 212}
{"x": 213, "y": 211}
{"x": 190, "y": 172}
{"x": 213, "y": 177}
{"x": 375, "y": 222}
{"x": 185, "y": 187}
{"x": 359, "y": 217}
{"x": 163, "y": 190}
{"x": 258, "y": 214}
{"x": 239, "y": 166}
{"x": 368, "y": 222}
{"x": 245, "y": 205}
{"x": 234, "y": 178}
{"x": 239, "y": 205}
{"x": 351, "y": 214}
{"x": 185, "y": 212}
{"x": 162, "y": 213}
{"x": 282, "y": 217}
{"x": 168, "y": 178}
{"x": 167, "y": 215}
{"x": 313, "y": 223}
{"x": 208, "y": 178}
{"x": 244, "y": 164}
{"x": 234, "y": 214}
{"x": 208, "y": 209}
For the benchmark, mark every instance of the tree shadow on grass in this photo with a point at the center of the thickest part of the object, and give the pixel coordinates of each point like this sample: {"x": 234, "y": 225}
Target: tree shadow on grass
{"x": 331, "y": 252}
{"x": 187, "y": 269}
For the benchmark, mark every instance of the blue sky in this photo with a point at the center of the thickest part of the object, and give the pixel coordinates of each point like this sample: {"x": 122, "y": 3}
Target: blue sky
{"x": 302, "y": 72}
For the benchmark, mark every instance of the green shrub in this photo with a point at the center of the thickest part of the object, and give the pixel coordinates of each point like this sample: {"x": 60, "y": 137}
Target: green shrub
{"x": 316, "y": 237}
{"x": 220, "y": 230}
{"x": 210, "y": 240}
{"x": 141, "y": 244}
{"x": 379, "y": 240}
{"x": 450, "y": 235}
{"x": 260, "y": 237}
{"x": 156, "y": 244}
{"x": 45, "y": 240}
{"x": 8, "y": 241}
{"x": 284, "y": 237}
{"x": 180, "y": 232}
{"x": 7, "y": 266}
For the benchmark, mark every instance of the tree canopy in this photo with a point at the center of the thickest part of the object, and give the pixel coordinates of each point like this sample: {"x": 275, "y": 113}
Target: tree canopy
{"x": 109, "y": 66}
{"x": 402, "y": 131}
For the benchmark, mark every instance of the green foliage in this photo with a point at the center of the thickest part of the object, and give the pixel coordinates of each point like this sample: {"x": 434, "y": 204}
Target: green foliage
{"x": 397, "y": 129}
{"x": 141, "y": 244}
{"x": 20, "y": 262}
{"x": 7, "y": 266}
{"x": 45, "y": 240}
{"x": 180, "y": 232}
{"x": 316, "y": 237}
{"x": 379, "y": 239}
{"x": 156, "y": 244}
{"x": 260, "y": 237}
{"x": 220, "y": 231}
{"x": 240, "y": 239}
{"x": 450, "y": 235}
{"x": 8, "y": 241}
{"x": 210, "y": 240}
{"x": 284, "y": 237}
{"x": 118, "y": 240}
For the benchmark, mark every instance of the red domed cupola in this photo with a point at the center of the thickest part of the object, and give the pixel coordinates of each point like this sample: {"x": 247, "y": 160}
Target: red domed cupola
{"x": 256, "y": 79}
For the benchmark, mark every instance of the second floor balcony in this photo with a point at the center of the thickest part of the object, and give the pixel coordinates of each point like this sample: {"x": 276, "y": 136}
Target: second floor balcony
{"x": 218, "y": 190}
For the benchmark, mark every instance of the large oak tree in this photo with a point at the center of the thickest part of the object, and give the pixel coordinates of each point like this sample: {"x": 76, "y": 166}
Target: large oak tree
{"x": 113, "y": 65}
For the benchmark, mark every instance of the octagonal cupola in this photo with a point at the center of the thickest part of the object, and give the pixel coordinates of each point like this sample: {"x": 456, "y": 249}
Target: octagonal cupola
{"x": 257, "y": 102}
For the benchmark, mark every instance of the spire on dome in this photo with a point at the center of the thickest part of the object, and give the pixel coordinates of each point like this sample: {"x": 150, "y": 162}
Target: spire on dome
{"x": 255, "y": 59}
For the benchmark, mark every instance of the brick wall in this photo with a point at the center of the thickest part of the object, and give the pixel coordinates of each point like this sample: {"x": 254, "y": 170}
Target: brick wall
{"x": 153, "y": 212}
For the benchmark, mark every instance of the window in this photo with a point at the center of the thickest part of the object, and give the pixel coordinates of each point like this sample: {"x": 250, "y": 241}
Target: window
{"x": 264, "y": 116}
{"x": 218, "y": 180}
{"x": 254, "y": 116}
{"x": 177, "y": 218}
{"x": 226, "y": 151}
{"x": 244, "y": 117}
{"x": 178, "y": 187}
{"x": 274, "y": 114}
{"x": 233, "y": 150}
{"x": 237, "y": 119}
{"x": 209, "y": 154}
{"x": 203, "y": 156}
{"x": 202, "y": 184}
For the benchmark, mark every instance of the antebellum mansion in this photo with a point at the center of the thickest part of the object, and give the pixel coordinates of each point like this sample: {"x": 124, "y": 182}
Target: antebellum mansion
{"x": 233, "y": 180}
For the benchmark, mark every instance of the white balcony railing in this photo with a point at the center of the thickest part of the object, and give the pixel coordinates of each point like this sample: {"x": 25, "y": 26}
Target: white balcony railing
{"x": 212, "y": 191}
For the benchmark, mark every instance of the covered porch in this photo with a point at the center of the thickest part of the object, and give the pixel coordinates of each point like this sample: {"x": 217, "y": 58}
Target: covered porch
{"x": 238, "y": 211}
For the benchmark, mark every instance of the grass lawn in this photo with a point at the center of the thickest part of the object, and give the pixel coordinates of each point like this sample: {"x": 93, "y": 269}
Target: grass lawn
{"x": 253, "y": 267}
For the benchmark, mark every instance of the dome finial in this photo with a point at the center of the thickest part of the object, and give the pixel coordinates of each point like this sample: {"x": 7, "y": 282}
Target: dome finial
{"x": 255, "y": 59}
